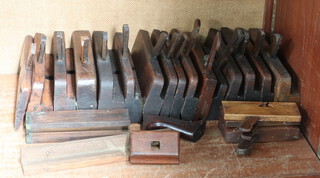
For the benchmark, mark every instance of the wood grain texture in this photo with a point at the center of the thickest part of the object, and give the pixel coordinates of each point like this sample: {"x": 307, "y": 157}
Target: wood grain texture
{"x": 154, "y": 147}
{"x": 268, "y": 12}
{"x": 47, "y": 96}
{"x": 298, "y": 22}
{"x": 75, "y": 154}
{"x": 105, "y": 76}
{"x": 38, "y": 73}
{"x": 144, "y": 57}
{"x": 62, "y": 78}
{"x": 53, "y": 121}
{"x": 168, "y": 71}
{"x": 24, "y": 81}
{"x": 85, "y": 71}
{"x": 209, "y": 157}
{"x": 265, "y": 134}
{"x": 275, "y": 111}
{"x": 52, "y": 137}
{"x": 128, "y": 79}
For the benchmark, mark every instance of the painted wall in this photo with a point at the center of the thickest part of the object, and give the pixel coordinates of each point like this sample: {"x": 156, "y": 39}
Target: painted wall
{"x": 19, "y": 18}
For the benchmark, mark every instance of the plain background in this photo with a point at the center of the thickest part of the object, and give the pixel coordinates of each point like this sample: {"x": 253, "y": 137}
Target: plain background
{"x": 19, "y": 18}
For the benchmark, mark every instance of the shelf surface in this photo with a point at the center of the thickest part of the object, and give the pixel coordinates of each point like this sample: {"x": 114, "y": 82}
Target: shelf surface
{"x": 209, "y": 157}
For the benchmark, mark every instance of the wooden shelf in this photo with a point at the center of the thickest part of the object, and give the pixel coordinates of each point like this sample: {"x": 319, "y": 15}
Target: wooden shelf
{"x": 209, "y": 157}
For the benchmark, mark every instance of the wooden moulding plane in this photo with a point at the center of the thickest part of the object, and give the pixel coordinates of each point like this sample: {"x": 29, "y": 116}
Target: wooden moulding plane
{"x": 42, "y": 77}
{"x": 207, "y": 78}
{"x": 109, "y": 92}
{"x": 64, "y": 96}
{"x": 35, "y": 88}
{"x": 176, "y": 45}
{"x": 263, "y": 75}
{"x": 25, "y": 80}
{"x": 190, "y": 98}
{"x": 73, "y": 106}
{"x": 227, "y": 72}
{"x": 128, "y": 76}
{"x": 247, "y": 122}
{"x": 284, "y": 91}
{"x": 171, "y": 79}
{"x": 144, "y": 57}
{"x": 85, "y": 73}
{"x": 247, "y": 90}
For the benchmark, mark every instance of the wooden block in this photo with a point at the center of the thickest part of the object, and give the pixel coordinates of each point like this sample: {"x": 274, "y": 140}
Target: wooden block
{"x": 25, "y": 80}
{"x": 75, "y": 120}
{"x": 52, "y": 137}
{"x": 265, "y": 134}
{"x": 85, "y": 73}
{"x": 74, "y": 154}
{"x": 154, "y": 147}
{"x": 271, "y": 111}
{"x": 38, "y": 75}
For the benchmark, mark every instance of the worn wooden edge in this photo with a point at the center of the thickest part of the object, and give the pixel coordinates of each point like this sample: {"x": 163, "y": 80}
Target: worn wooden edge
{"x": 76, "y": 120}
{"x": 54, "y": 137}
{"x": 267, "y": 114}
{"x": 32, "y": 164}
{"x": 156, "y": 160}
{"x": 268, "y": 15}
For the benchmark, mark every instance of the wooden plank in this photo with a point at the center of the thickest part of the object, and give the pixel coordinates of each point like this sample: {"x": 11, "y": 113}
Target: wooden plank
{"x": 75, "y": 154}
{"x": 154, "y": 147}
{"x": 52, "y": 137}
{"x": 298, "y": 23}
{"x": 49, "y": 121}
{"x": 268, "y": 15}
{"x": 275, "y": 111}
